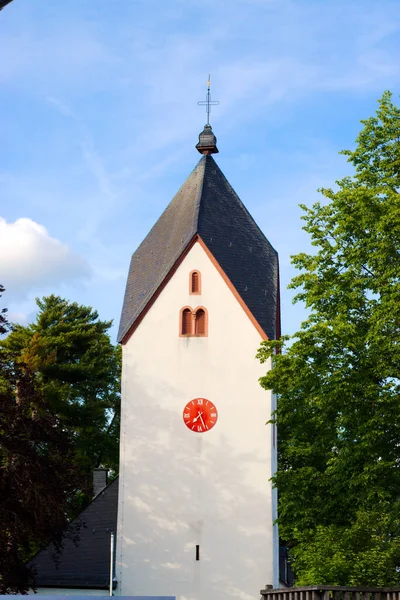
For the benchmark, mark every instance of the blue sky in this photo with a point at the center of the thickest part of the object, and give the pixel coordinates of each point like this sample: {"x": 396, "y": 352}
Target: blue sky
{"x": 99, "y": 118}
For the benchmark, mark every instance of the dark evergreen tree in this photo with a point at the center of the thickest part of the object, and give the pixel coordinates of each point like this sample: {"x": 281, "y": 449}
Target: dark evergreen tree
{"x": 38, "y": 478}
{"x": 69, "y": 350}
{"x": 4, "y": 326}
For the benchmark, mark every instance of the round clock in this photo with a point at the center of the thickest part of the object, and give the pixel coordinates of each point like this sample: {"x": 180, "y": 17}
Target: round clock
{"x": 200, "y": 415}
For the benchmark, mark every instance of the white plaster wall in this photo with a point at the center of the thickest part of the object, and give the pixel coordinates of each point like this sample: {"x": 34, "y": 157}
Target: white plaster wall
{"x": 179, "y": 488}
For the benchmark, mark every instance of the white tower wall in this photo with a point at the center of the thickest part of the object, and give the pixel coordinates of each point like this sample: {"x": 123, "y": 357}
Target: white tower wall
{"x": 179, "y": 489}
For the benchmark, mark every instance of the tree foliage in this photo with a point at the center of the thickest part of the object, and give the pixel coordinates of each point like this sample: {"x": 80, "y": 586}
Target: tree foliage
{"x": 38, "y": 479}
{"x": 337, "y": 380}
{"x": 69, "y": 350}
{"x": 4, "y": 325}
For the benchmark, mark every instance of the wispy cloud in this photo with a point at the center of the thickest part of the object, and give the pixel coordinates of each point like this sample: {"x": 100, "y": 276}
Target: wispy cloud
{"x": 68, "y": 52}
{"x": 99, "y": 205}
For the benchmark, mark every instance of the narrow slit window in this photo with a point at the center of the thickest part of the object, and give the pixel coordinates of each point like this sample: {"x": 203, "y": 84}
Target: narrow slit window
{"x": 200, "y": 322}
{"x": 186, "y": 321}
{"x": 195, "y": 282}
{"x": 197, "y": 552}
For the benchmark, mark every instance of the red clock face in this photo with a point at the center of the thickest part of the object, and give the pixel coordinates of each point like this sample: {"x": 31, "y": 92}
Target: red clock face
{"x": 200, "y": 415}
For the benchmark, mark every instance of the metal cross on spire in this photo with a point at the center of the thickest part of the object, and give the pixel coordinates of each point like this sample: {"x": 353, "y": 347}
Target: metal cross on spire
{"x": 208, "y": 102}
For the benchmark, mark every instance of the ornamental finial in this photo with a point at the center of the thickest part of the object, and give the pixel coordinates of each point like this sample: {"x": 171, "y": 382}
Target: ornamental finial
{"x": 207, "y": 141}
{"x": 208, "y": 102}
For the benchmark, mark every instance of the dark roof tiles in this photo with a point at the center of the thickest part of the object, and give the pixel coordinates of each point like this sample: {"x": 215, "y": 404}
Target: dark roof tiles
{"x": 84, "y": 562}
{"x": 4, "y": 3}
{"x": 207, "y": 205}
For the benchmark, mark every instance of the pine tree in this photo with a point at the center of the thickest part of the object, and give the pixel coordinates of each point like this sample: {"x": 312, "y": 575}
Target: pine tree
{"x": 70, "y": 351}
{"x": 3, "y": 316}
{"x": 38, "y": 479}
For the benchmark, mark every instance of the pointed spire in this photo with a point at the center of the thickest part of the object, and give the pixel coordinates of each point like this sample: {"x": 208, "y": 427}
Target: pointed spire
{"x": 207, "y": 143}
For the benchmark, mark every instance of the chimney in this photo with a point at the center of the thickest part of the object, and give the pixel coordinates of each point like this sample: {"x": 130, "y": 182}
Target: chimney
{"x": 99, "y": 480}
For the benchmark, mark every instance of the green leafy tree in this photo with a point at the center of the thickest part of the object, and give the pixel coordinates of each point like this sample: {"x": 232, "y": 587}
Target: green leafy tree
{"x": 337, "y": 380}
{"x": 38, "y": 479}
{"x": 78, "y": 368}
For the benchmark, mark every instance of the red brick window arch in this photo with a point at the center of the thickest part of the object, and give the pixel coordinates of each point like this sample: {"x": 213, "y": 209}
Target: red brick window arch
{"x": 195, "y": 282}
{"x": 201, "y": 322}
{"x": 186, "y": 321}
{"x": 193, "y": 323}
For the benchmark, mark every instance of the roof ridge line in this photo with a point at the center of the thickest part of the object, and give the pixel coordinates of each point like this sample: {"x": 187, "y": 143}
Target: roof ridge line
{"x": 72, "y": 521}
{"x": 160, "y": 286}
{"x": 199, "y": 194}
{"x": 243, "y": 205}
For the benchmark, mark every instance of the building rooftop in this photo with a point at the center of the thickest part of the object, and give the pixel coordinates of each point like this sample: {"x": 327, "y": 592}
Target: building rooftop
{"x": 84, "y": 560}
{"x": 206, "y": 206}
{"x": 4, "y": 3}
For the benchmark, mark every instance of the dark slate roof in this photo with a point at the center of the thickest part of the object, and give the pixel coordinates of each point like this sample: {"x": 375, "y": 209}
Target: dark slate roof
{"x": 4, "y": 3}
{"x": 207, "y": 205}
{"x": 86, "y": 563}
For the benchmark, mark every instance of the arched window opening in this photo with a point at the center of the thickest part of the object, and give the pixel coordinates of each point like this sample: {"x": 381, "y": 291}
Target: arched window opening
{"x": 186, "y": 322}
{"x": 200, "y": 322}
{"x": 195, "y": 282}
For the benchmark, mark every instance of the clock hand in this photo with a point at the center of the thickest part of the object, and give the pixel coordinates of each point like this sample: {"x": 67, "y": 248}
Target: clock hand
{"x": 201, "y": 419}
{"x": 198, "y": 417}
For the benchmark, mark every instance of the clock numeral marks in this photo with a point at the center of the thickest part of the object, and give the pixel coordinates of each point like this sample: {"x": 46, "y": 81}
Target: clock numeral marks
{"x": 200, "y": 415}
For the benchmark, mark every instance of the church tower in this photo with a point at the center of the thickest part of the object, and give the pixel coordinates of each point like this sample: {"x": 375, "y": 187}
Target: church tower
{"x": 196, "y": 506}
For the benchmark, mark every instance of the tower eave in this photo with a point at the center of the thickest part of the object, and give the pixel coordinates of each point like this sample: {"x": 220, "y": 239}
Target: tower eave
{"x": 207, "y": 149}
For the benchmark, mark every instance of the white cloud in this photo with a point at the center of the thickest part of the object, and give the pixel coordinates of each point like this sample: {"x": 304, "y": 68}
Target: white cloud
{"x": 32, "y": 261}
